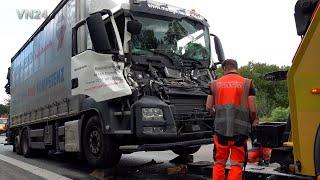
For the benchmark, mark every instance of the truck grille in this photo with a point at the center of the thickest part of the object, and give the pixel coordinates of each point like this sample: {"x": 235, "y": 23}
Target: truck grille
{"x": 183, "y": 104}
{"x": 193, "y": 122}
{"x": 190, "y": 115}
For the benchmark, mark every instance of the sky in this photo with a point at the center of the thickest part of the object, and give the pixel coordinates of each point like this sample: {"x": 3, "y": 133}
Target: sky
{"x": 250, "y": 30}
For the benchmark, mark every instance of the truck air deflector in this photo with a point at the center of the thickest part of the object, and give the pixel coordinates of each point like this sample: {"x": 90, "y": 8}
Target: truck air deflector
{"x": 166, "y": 10}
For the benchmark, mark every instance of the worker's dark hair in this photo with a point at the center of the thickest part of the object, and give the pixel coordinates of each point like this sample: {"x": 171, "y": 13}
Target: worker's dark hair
{"x": 230, "y": 64}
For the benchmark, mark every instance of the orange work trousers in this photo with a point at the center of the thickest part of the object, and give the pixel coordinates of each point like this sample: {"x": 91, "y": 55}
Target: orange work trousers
{"x": 256, "y": 154}
{"x": 221, "y": 154}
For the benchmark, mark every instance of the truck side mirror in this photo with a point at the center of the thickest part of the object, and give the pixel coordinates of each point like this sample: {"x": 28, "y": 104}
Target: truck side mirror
{"x": 276, "y": 76}
{"x": 303, "y": 14}
{"x": 219, "y": 48}
{"x": 7, "y": 86}
{"x": 98, "y": 33}
{"x": 134, "y": 27}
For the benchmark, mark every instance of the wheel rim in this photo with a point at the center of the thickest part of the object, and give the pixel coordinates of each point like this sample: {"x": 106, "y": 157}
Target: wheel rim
{"x": 95, "y": 142}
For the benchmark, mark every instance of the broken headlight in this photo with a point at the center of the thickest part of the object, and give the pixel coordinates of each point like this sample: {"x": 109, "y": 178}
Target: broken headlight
{"x": 152, "y": 114}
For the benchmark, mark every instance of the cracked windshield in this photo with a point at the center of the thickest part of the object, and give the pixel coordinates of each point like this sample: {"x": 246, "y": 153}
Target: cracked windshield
{"x": 183, "y": 38}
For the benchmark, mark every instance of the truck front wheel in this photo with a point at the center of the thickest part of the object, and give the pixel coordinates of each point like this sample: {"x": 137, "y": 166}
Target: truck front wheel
{"x": 186, "y": 150}
{"x": 99, "y": 149}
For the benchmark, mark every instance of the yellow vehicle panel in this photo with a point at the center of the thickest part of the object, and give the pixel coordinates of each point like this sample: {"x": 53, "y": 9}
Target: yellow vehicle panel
{"x": 304, "y": 75}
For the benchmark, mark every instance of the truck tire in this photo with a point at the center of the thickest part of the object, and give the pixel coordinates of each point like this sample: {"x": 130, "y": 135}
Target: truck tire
{"x": 25, "y": 148}
{"x": 99, "y": 149}
{"x": 16, "y": 145}
{"x": 186, "y": 150}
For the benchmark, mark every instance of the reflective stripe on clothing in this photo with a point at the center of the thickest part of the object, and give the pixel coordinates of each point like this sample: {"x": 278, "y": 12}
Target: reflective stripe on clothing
{"x": 233, "y": 163}
{"x": 221, "y": 163}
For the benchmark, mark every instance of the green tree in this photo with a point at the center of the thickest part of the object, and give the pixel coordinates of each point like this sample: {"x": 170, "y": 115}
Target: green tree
{"x": 269, "y": 94}
{"x": 4, "y": 109}
{"x": 279, "y": 114}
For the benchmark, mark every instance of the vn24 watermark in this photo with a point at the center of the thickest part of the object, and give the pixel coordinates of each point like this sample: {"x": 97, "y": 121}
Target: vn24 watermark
{"x": 32, "y": 14}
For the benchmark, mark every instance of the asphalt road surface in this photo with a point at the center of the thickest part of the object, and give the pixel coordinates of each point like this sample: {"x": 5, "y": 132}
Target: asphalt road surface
{"x": 138, "y": 165}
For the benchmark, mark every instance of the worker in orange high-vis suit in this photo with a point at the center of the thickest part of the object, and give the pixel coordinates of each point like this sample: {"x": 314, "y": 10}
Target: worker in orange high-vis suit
{"x": 260, "y": 154}
{"x": 234, "y": 106}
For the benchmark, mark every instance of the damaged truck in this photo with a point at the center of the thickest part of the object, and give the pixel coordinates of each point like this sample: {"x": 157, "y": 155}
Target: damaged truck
{"x": 102, "y": 79}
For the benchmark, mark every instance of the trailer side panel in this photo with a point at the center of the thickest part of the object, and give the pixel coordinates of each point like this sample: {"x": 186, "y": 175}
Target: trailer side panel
{"x": 40, "y": 75}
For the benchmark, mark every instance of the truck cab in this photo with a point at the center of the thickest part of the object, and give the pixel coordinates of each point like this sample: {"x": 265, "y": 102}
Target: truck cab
{"x": 164, "y": 53}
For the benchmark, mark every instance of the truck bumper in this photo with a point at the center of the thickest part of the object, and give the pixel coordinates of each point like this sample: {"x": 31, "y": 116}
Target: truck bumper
{"x": 165, "y": 146}
{"x": 185, "y": 127}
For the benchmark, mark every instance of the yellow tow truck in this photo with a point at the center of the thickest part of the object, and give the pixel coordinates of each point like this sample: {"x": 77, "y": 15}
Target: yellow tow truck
{"x": 304, "y": 91}
{"x": 299, "y": 154}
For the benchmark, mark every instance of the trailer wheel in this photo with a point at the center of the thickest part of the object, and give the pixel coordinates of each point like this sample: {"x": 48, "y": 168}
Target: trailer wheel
{"x": 16, "y": 146}
{"x": 99, "y": 149}
{"x": 25, "y": 148}
{"x": 186, "y": 150}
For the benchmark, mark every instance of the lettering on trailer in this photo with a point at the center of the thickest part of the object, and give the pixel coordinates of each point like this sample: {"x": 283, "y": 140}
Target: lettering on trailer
{"x": 50, "y": 81}
{"x": 32, "y": 14}
{"x": 61, "y": 31}
{"x": 43, "y": 49}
